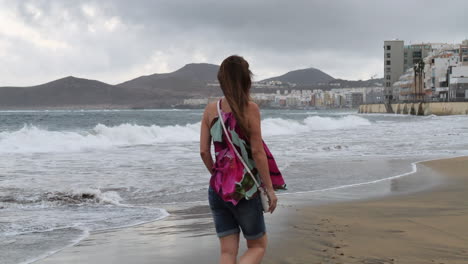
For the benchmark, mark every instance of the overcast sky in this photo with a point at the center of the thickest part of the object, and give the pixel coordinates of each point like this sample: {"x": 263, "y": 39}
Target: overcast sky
{"x": 114, "y": 41}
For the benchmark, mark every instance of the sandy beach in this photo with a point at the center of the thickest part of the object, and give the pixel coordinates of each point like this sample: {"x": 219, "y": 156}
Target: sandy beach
{"x": 407, "y": 226}
{"x": 423, "y": 227}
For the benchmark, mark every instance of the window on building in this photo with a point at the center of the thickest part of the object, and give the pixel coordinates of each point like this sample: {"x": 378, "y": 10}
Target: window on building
{"x": 388, "y": 84}
{"x": 388, "y": 55}
{"x": 388, "y": 69}
{"x": 388, "y": 62}
{"x": 389, "y": 77}
{"x": 417, "y": 54}
{"x": 389, "y": 47}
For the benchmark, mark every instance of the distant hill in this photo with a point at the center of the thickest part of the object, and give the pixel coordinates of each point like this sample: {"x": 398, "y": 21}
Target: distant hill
{"x": 189, "y": 81}
{"x": 304, "y": 77}
{"x": 193, "y": 72}
{"x": 61, "y": 92}
{"x": 157, "y": 90}
{"x": 312, "y": 78}
{"x": 359, "y": 83}
{"x": 150, "y": 91}
{"x": 167, "y": 89}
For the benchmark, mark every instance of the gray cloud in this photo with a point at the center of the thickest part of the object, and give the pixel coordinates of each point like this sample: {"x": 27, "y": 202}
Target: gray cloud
{"x": 117, "y": 40}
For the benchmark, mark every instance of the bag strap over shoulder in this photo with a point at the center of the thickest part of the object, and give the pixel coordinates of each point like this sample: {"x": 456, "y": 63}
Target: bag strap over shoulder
{"x": 221, "y": 119}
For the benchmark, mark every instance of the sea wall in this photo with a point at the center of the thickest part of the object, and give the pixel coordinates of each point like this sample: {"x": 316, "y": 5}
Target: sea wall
{"x": 432, "y": 108}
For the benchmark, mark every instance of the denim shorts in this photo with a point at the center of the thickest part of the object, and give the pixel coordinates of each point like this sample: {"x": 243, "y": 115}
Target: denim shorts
{"x": 229, "y": 219}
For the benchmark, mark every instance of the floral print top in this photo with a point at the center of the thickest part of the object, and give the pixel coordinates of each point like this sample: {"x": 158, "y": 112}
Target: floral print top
{"x": 230, "y": 179}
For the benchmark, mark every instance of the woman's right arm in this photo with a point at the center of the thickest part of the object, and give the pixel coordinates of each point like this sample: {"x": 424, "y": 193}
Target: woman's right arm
{"x": 258, "y": 152}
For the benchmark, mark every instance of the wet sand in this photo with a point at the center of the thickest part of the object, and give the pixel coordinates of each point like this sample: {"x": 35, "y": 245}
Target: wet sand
{"x": 425, "y": 227}
{"x": 408, "y": 225}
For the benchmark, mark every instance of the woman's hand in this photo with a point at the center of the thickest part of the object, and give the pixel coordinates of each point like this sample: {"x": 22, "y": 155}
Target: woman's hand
{"x": 272, "y": 200}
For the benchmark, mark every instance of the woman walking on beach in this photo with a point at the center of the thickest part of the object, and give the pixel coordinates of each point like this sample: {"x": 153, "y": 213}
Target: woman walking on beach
{"x": 233, "y": 195}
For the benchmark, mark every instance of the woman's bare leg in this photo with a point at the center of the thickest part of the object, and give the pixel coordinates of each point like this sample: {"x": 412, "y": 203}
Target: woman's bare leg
{"x": 229, "y": 249}
{"x": 255, "y": 251}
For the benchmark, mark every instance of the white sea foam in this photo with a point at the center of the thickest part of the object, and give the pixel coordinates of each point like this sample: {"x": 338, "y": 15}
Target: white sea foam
{"x": 32, "y": 139}
{"x": 89, "y": 208}
{"x": 280, "y": 126}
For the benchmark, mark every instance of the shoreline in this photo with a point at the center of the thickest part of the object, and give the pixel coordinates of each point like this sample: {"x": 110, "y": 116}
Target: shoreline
{"x": 177, "y": 208}
{"x": 189, "y": 229}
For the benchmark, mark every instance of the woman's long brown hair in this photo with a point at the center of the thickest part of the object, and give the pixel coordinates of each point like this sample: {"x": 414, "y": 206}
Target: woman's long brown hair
{"x": 235, "y": 80}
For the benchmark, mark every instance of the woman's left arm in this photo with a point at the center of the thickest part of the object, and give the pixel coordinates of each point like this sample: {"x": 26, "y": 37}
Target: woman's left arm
{"x": 205, "y": 141}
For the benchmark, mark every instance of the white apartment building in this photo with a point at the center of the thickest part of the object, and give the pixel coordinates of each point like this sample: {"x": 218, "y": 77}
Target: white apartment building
{"x": 458, "y": 88}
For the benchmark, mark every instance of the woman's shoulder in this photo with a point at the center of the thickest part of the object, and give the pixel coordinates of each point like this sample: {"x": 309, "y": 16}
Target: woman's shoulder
{"x": 210, "y": 113}
{"x": 253, "y": 108}
{"x": 210, "y": 108}
{"x": 210, "y": 105}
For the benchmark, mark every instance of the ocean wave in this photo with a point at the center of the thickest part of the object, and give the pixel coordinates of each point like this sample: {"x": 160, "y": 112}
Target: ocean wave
{"x": 87, "y": 208}
{"x": 32, "y": 139}
{"x": 62, "y": 198}
{"x": 279, "y": 126}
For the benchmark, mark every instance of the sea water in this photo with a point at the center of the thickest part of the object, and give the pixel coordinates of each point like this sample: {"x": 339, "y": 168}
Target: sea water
{"x": 64, "y": 174}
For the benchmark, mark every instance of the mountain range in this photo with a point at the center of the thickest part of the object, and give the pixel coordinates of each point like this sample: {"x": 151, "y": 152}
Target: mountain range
{"x": 303, "y": 77}
{"x": 149, "y": 91}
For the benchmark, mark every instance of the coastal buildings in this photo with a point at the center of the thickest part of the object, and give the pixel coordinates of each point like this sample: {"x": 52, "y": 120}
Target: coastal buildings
{"x": 458, "y": 87}
{"x": 307, "y": 98}
{"x": 393, "y": 64}
{"x": 354, "y": 99}
{"x": 196, "y": 101}
{"x": 321, "y": 99}
{"x": 431, "y": 72}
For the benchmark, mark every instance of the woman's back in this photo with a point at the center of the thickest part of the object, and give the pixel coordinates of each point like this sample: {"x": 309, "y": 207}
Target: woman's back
{"x": 229, "y": 178}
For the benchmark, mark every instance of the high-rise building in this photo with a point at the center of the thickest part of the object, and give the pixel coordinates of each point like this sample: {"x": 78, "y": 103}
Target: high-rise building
{"x": 397, "y": 59}
{"x": 415, "y": 53}
{"x": 393, "y": 65}
{"x": 464, "y": 53}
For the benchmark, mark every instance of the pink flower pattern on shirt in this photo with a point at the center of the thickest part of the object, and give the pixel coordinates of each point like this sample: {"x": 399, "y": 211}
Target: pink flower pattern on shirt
{"x": 229, "y": 179}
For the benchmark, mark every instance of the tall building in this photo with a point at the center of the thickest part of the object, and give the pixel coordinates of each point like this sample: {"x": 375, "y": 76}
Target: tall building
{"x": 415, "y": 53}
{"x": 464, "y": 53}
{"x": 425, "y": 71}
{"x": 398, "y": 58}
{"x": 393, "y": 65}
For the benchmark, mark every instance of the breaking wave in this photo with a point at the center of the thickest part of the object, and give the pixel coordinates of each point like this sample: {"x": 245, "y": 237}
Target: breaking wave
{"x": 62, "y": 198}
{"x": 32, "y": 139}
{"x": 279, "y": 126}
{"x": 86, "y": 209}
